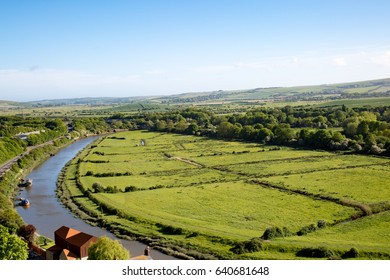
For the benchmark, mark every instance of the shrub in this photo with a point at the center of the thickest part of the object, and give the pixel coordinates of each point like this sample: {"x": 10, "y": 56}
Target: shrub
{"x": 110, "y": 189}
{"x": 131, "y": 189}
{"x": 306, "y": 229}
{"x": 321, "y": 224}
{"x": 27, "y": 232}
{"x": 274, "y": 232}
{"x": 250, "y": 246}
{"x": 352, "y": 253}
{"x": 170, "y": 229}
{"x": 10, "y": 219}
{"x": 107, "y": 249}
{"x": 97, "y": 188}
{"x": 321, "y": 252}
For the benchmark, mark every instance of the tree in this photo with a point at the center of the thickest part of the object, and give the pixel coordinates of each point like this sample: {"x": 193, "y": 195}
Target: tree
{"x": 11, "y": 246}
{"x": 283, "y": 133}
{"x": 107, "y": 249}
{"x": 337, "y": 136}
{"x": 181, "y": 126}
{"x": 248, "y": 132}
{"x": 161, "y": 125}
{"x": 350, "y": 127}
{"x": 10, "y": 219}
{"x": 27, "y": 232}
{"x": 192, "y": 128}
{"x": 97, "y": 187}
{"x": 363, "y": 129}
{"x": 322, "y": 138}
{"x": 226, "y": 130}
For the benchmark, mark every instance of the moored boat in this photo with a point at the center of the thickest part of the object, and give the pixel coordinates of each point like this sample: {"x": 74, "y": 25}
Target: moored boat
{"x": 26, "y": 183}
{"x": 24, "y": 202}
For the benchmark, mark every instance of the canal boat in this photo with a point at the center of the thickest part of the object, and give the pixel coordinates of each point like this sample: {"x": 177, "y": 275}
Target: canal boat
{"x": 26, "y": 183}
{"x": 24, "y": 202}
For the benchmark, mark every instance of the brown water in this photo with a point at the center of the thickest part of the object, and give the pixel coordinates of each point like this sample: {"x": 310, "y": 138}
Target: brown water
{"x": 47, "y": 213}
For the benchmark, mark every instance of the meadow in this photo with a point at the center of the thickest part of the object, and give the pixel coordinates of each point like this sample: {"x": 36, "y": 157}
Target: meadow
{"x": 213, "y": 196}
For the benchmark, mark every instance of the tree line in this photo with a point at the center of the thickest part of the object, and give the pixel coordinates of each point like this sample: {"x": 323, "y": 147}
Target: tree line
{"x": 365, "y": 129}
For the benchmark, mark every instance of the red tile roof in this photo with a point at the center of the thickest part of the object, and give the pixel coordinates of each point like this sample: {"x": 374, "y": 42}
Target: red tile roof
{"x": 66, "y": 232}
{"x": 69, "y": 255}
{"x": 80, "y": 239}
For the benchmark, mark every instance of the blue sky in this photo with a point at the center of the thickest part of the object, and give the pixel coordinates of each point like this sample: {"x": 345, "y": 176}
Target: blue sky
{"x": 57, "y": 49}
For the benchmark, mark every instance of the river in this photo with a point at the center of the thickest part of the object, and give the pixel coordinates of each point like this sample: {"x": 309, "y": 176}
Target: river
{"x": 47, "y": 213}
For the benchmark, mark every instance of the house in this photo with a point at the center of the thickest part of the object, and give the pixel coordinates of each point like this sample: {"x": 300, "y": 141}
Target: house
{"x": 70, "y": 244}
{"x": 24, "y": 136}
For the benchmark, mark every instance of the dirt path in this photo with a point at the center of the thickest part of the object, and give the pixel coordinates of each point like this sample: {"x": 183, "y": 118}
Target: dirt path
{"x": 187, "y": 161}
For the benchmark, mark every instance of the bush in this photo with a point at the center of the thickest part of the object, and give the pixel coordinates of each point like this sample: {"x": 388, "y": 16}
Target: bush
{"x": 10, "y": 219}
{"x": 352, "y": 253}
{"x": 107, "y": 249}
{"x": 131, "y": 189}
{"x": 170, "y": 229}
{"x": 321, "y": 252}
{"x": 250, "y": 246}
{"x": 321, "y": 224}
{"x": 11, "y": 246}
{"x": 110, "y": 189}
{"x": 274, "y": 232}
{"x": 27, "y": 232}
{"x": 306, "y": 229}
{"x": 97, "y": 188}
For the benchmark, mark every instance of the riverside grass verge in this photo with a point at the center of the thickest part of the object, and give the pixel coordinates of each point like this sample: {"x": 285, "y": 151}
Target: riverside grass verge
{"x": 9, "y": 217}
{"x": 194, "y": 195}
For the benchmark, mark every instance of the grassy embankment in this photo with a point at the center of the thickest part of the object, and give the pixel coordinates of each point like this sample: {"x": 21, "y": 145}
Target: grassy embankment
{"x": 210, "y": 196}
{"x": 9, "y": 181}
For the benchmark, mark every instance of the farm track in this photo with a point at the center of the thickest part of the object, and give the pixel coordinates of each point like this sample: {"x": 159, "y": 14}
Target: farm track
{"x": 168, "y": 156}
{"x": 284, "y": 159}
{"x": 324, "y": 170}
{"x": 188, "y": 161}
{"x": 365, "y": 209}
{"x": 220, "y": 170}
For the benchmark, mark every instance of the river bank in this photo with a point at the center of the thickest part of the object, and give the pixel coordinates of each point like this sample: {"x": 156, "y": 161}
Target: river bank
{"x": 82, "y": 204}
{"x": 47, "y": 213}
{"x": 16, "y": 169}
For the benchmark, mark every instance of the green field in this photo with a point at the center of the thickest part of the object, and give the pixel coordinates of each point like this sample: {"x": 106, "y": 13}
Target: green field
{"x": 209, "y": 195}
{"x": 361, "y": 102}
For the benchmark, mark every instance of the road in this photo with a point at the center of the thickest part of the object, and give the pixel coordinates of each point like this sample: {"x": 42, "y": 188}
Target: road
{"x": 8, "y": 164}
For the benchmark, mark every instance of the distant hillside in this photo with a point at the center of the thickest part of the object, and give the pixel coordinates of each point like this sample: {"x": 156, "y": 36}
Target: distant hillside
{"x": 323, "y": 93}
{"x": 142, "y": 105}
{"x": 11, "y": 104}
{"x": 85, "y": 101}
{"x": 364, "y": 89}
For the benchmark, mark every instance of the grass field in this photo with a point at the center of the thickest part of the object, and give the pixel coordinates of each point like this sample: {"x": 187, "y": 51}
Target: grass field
{"x": 230, "y": 210}
{"x": 202, "y": 194}
{"x": 382, "y": 101}
{"x": 362, "y": 184}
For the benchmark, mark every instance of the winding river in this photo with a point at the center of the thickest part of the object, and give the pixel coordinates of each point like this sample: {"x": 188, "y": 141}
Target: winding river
{"x": 47, "y": 213}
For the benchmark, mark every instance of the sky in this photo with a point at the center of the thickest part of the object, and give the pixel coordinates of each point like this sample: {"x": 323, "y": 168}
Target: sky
{"x": 82, "y": 48}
